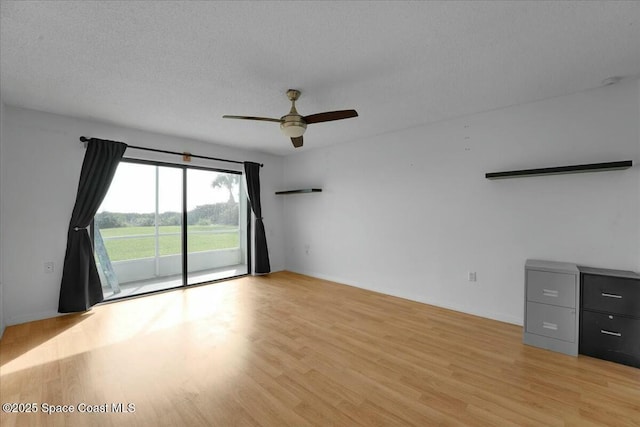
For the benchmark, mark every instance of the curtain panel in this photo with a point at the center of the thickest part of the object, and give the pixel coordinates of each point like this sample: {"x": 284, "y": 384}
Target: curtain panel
{"x": 80, "y": 288}
{"x": 252, "y": 176}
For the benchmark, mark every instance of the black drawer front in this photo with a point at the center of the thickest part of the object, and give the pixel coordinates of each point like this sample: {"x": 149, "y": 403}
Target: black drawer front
{"x": 611, "y": 294}
{"x": 610, "y": 337}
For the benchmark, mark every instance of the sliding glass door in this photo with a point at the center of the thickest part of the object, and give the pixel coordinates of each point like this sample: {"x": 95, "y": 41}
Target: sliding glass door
{"x": 164, "y": 226}
{"x": 216, "y": 242}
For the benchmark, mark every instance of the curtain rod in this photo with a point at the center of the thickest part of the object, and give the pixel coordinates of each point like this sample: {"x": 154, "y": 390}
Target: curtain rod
{"x": 85, "y": 139}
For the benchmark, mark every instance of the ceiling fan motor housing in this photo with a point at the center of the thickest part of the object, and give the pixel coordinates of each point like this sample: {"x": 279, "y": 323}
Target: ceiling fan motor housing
{"x": 293, "y": 125}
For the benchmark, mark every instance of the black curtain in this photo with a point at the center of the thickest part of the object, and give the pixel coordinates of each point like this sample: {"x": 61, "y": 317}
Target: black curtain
{"x": 252, "y": 175}
{"x": 81, "y": 288}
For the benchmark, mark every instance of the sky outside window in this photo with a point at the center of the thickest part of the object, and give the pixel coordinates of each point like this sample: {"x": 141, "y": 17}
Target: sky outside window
{"x": 133, "y": 190}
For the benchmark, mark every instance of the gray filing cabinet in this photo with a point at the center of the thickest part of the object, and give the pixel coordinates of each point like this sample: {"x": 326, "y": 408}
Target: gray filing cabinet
{"x": 551, "y": 311}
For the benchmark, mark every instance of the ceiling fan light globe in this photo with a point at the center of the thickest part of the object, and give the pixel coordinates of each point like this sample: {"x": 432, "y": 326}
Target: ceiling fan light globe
{"x": 293, "y": 129}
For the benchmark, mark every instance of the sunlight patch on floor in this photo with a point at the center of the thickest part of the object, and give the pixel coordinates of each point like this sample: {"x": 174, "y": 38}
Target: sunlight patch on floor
{"x": 211, "y": 312}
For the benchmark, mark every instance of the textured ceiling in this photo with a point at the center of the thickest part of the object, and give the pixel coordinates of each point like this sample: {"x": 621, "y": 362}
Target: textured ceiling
{"x": 177, "y": 67}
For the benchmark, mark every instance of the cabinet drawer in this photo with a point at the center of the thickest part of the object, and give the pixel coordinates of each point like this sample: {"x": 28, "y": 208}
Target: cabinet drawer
{"x": 610, "y": 337}
{"x": 551, "y": 288}
{"x": 551, "y": 321}
{"x": 615, "y": 295}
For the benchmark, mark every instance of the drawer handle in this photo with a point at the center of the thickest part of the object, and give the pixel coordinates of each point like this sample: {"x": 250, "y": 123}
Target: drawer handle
{"x": 551, "y": 326}
{"x": 615, "y": 334}
{"x": 549, "y": 293}
{"x": 604, "y": 294}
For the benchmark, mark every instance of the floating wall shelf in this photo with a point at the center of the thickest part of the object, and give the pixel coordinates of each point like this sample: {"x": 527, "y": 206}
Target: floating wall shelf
{"x": 304, "y": 190}
{"x": 592, "y": 167}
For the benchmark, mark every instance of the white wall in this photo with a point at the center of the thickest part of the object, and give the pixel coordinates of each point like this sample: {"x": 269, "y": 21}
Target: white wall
{"x": 410, "y": 213}
{"x": 41, "y": 161}
{"x": 2, "y": 323}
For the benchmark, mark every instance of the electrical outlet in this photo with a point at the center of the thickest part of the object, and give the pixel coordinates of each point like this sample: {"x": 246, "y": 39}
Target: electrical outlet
{"x": 48, "y": 267}
{"x": 472, "y": 276}
{"x": 306, "y": 249}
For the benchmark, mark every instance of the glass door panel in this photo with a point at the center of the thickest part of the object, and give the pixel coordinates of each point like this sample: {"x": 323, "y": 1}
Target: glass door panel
{"x": 216, "y": 241}
{"x": 138, "y": 231}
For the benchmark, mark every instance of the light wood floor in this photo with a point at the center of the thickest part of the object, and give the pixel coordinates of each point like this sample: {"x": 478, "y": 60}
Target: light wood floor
{"x": 289, "y": 350}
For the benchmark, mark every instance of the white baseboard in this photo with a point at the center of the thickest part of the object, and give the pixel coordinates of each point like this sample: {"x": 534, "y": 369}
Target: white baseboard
{"x": 501, "y": 317}
{"x": 30, "y": 317}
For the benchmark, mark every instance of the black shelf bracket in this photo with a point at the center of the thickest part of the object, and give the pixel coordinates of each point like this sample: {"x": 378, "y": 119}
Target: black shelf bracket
{"x": 592, "y": 167}
{"x": 304, "y": 190}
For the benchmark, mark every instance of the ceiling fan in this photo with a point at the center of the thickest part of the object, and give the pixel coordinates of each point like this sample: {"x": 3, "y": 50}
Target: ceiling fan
{"x": 293, "y": 124}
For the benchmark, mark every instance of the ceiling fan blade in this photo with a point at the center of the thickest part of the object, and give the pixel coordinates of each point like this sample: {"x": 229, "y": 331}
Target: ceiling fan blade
{"x": 330, "y": 116}
{"x": 297, "y": 142}
{"x": 263, "y": 119}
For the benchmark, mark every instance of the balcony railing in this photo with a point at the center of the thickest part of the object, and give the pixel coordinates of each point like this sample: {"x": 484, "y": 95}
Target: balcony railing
{"x": 158, "y": 254}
